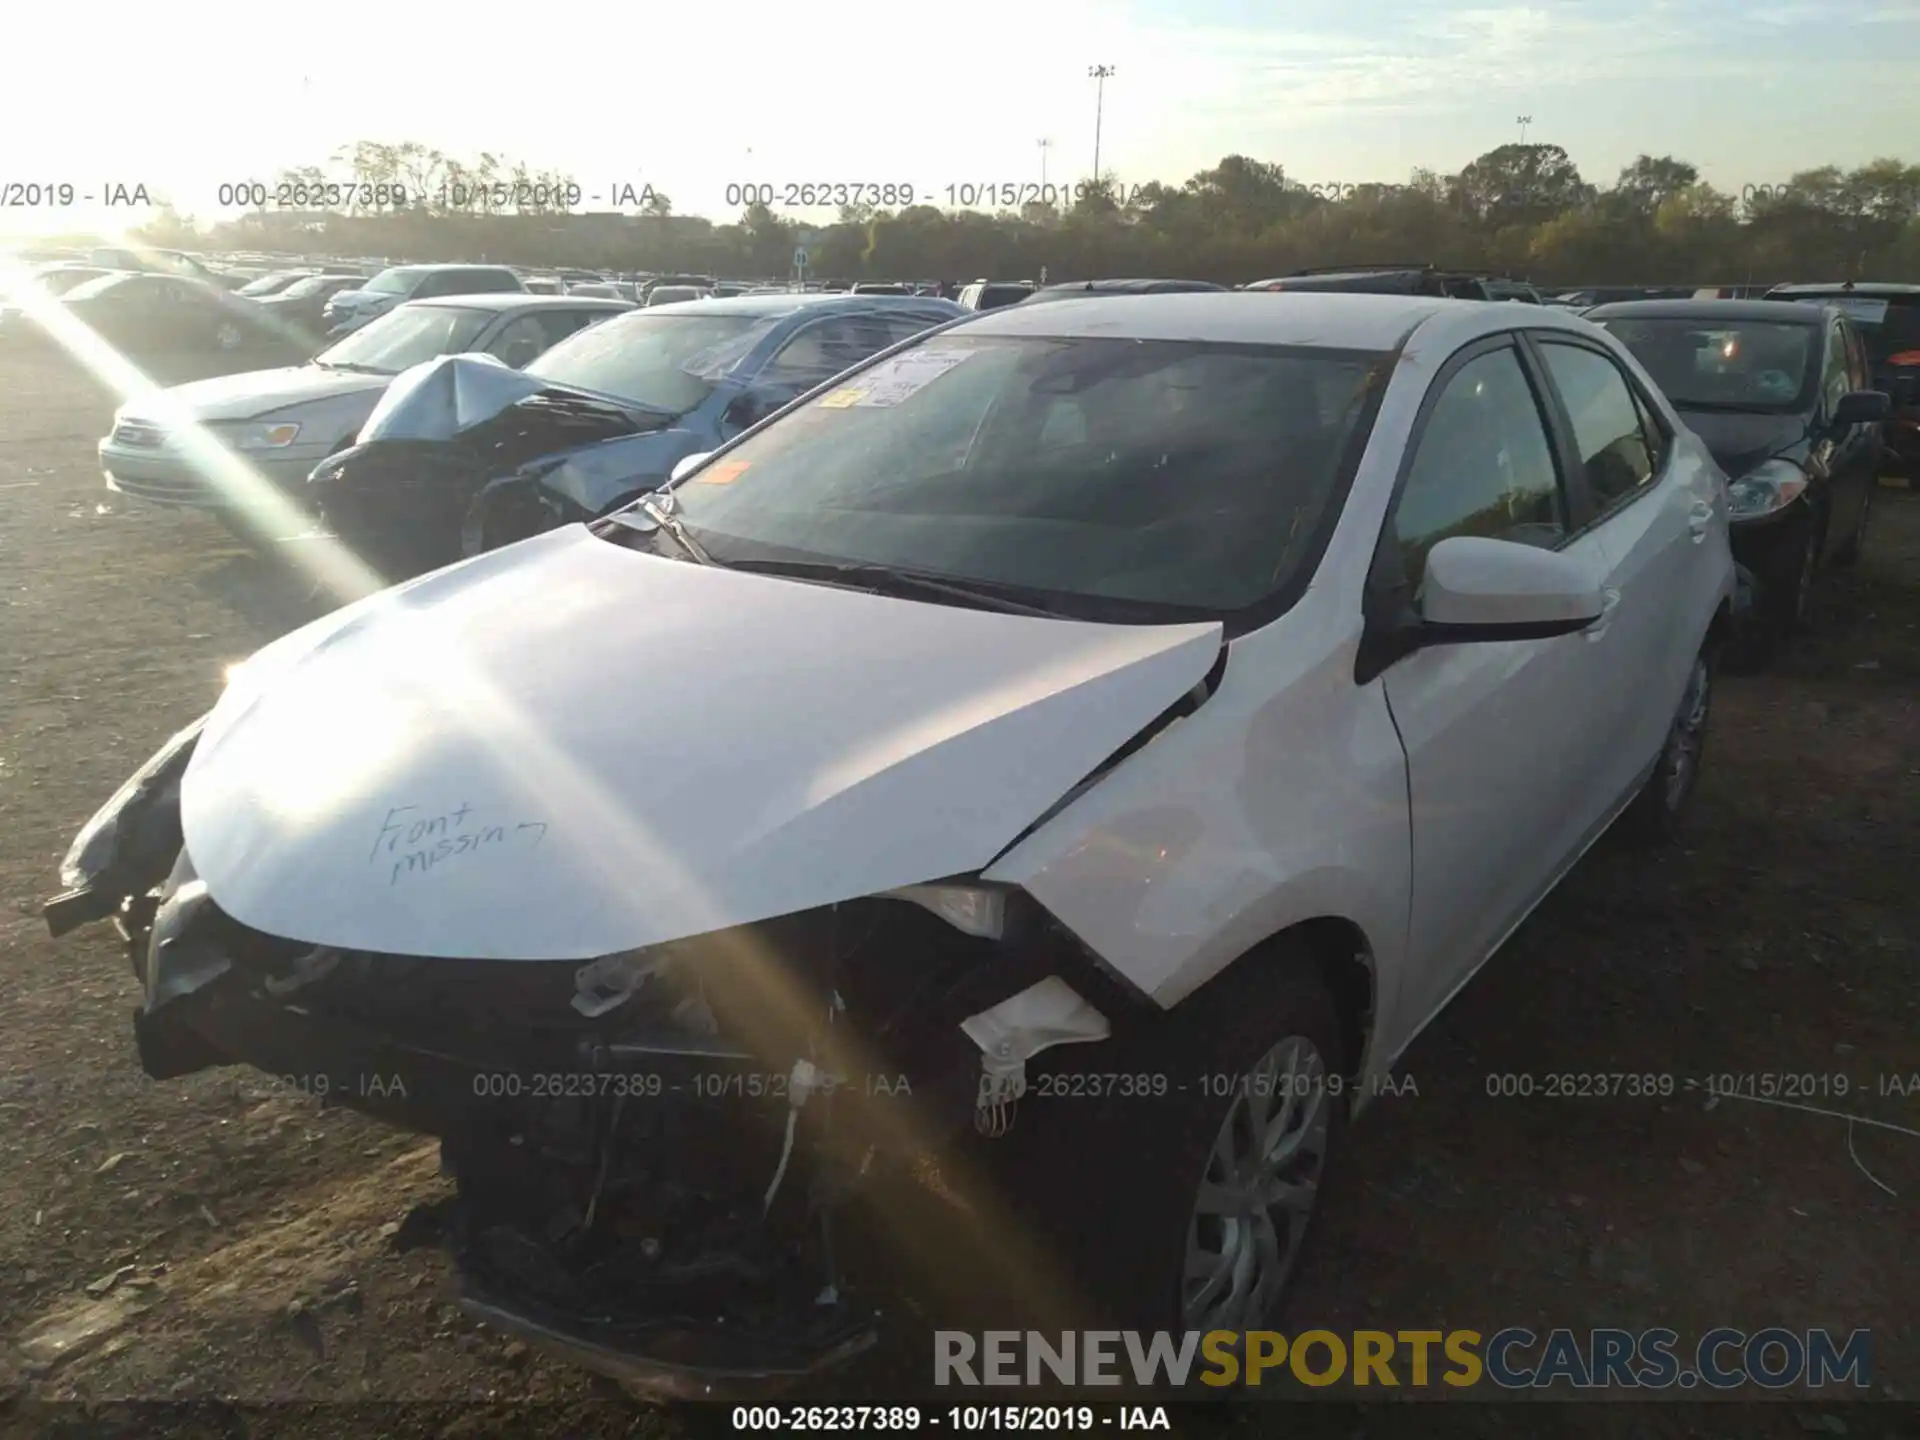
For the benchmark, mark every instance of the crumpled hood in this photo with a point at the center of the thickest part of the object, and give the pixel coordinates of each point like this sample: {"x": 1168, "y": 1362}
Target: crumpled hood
{"x": 450, "y": 395}
{"x": 255, "y": 392}
{"x": 568, "y": 748}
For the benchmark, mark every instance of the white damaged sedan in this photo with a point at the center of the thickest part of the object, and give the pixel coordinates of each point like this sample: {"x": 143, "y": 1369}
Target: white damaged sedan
{"x": 1082, "y": 746}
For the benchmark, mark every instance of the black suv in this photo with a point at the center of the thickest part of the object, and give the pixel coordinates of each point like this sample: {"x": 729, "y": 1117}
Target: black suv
{"x": 1385, "y": 280}
{"x": 1888, "y": 318}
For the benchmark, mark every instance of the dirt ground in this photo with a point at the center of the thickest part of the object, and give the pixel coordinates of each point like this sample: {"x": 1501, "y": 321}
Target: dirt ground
{"x": 212, "y": 1239}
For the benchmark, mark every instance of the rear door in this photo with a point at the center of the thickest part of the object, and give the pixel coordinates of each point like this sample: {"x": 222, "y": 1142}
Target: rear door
{"x": 1651, "y": 509}
{"x": 1505, "y": 740}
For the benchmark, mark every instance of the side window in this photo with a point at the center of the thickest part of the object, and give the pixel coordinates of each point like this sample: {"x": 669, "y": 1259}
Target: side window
{"x": 1652, "y": 427}
{"x": 902, "y": 327}
{"x": 1608, "y": 426}
{"x": 1834, "y": 380}
{"x": 1859, "y": 371}
{"x": 822, "y": 350}
{"x": 520, "y": 340}
{"x": 431, "y": 284}
{"x": 558, "y": 324}
{"x": 1484, "y": 466}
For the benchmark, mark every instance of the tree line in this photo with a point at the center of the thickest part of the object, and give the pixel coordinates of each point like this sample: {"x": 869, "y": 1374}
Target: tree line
{"x": 1522, "y": 210}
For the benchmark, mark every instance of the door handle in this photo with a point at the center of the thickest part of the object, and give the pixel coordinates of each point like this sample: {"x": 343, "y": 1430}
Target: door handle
{"x": 1699, "y": 520}
{"x": 1609, "y": 603}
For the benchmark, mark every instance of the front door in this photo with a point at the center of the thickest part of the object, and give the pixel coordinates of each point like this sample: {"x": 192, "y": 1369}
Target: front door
{"x": 1502, "y": 738}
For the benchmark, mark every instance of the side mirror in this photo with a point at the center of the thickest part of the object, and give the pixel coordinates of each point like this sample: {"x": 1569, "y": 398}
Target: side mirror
{"x": 1860, "y": 407}
{"x": 687, "y": 466}
{"x": 1481, "y": 589}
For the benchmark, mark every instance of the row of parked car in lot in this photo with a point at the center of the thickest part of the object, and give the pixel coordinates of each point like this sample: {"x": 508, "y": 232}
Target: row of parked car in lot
{"x": 1192, "y": 688}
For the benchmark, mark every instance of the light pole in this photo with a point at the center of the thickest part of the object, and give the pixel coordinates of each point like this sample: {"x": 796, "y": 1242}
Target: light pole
{"x": 1099, "y": 74}
{"x": 1044, "y": 145}
{"x": 1523, "y": 121}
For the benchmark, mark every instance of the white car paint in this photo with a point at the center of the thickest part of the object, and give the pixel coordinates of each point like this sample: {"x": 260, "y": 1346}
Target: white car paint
{"x": 252, "y": 394}
{"x": 706, "y": 748}
{"x": 310, "y": 804}
{"x": 1286, "y": 797}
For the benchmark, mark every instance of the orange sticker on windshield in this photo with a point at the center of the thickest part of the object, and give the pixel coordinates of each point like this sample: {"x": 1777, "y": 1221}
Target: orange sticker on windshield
{"x": 842, "y": 399}
{"x": 724, "y": 473}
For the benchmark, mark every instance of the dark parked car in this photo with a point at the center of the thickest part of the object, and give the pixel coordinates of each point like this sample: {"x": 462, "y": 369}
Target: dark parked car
{"x": 59, "y": 279}
{"x": 144, "y": 316}
{"x": 1783, "y": 398}
{"x": 159, "y": 262}
{"x": 1889, "y": 319}
{"x": 1591, "y": 295}
{"x": 1086, "y": 289}
{"x": 992, "y": 294}
{"x": 463, "y": 455}
{"x": 302, "y": 305}
{"x": 272, "y": 283}
{"x": 397, "y": 284}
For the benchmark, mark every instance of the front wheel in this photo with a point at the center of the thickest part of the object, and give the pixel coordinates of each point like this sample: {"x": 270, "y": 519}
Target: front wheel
{"x": 1194, "y": 1211}
{"x": 1659, "y": 810}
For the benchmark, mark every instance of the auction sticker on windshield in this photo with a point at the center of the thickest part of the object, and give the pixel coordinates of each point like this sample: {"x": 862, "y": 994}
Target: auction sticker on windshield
{"x": 889, "y": 383}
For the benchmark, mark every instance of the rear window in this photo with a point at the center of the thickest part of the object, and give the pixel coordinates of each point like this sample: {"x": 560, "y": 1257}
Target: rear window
{"x": 1890, "y": 324}
{"x": 395, "y": 282}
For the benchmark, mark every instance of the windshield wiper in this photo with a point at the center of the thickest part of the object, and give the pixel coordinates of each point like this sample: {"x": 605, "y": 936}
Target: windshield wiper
{"x": 665, "y": 520}
{"x": 885, "y": 577}
{"x": 352, "y": 365}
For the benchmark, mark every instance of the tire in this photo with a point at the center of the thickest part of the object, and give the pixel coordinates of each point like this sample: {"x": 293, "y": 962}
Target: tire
{"x": 1123, "y": 1185}
{"x": 1658, "y": 813}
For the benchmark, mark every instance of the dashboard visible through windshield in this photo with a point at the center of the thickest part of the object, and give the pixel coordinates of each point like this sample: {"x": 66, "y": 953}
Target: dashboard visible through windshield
{"x": 1173, "y": 480}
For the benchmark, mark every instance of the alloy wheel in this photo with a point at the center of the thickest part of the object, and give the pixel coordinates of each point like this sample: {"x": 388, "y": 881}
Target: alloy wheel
{"x": 1250, "y": 1215}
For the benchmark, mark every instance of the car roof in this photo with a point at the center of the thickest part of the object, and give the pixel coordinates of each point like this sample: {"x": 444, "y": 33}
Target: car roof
{"x": 1873, "y": 289}
{"x": 1316, "y": 318}
{"x": 769, "y": 306}
{"x": 445, "y": 265}
{"x": 518, "y": 300}
{"x": 1130, "y": 285}
{"x": 1777, "y": 312}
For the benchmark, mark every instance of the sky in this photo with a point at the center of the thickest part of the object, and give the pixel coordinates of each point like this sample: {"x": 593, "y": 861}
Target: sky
{"x": 186, "y": 97}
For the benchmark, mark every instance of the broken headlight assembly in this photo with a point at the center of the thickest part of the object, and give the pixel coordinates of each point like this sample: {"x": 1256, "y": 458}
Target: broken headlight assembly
{"x": 100, "y": 841}
{"x": 1766, "y": 490}
{"x": 973, "y": 909}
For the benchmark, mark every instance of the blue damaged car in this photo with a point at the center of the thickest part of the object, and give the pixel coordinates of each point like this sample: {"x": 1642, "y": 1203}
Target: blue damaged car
{"x": 464, "y": 454}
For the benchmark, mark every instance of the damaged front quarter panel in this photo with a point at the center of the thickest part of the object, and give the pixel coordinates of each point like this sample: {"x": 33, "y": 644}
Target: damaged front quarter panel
{"x": 129, "y": 845}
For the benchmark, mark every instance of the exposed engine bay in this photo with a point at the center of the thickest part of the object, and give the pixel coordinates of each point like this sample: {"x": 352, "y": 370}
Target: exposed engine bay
{"x": 657, "y": 1154}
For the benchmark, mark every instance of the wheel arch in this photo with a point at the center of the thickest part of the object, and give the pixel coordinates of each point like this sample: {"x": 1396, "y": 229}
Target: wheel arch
{"x": 1336, "y": 951}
